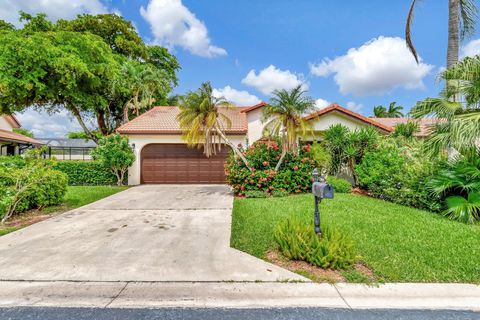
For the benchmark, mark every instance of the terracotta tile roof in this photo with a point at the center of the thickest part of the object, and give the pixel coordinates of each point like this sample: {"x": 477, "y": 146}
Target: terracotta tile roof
{"x": 258, "y": 105}
{"x": 338, "y": 108}
{"x": 162, "y": 120}
{"x": 424, "y": 124}
{"x": 10, "y": 136}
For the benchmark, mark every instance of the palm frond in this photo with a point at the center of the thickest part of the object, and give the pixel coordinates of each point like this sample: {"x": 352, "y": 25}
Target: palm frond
{"x": 408, "y": 31}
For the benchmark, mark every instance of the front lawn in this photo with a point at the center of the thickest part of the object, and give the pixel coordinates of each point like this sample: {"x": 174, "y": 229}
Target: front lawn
{"x": 75, "y": 197}
{"x": 399, "y": 243}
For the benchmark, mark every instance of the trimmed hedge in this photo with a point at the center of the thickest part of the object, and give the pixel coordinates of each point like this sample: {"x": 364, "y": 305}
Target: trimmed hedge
{"x": 339, "y": 185}
{"x": 86, "y": 173}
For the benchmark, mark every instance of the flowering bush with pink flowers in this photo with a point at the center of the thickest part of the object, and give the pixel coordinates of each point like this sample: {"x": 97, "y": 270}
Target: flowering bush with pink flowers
{"x": 294, "y": 175}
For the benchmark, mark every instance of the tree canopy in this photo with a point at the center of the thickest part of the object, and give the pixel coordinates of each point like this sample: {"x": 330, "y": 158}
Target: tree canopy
{"x": 80, "y": 65}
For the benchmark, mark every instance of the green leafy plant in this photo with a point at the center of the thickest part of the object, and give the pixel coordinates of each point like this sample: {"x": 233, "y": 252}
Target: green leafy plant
{"x": 398, "y": 171}
{"x": 406, "y": 130}
{"x": 339, "y": 185}
{"x": 86, "y": 173}
{"x": 279, "y": 193}
{"x": 349, "y": 147}
{"x": 115, "y": 153}
{"x": 27, "y": 183}
{"x": 459, "y": 181}
{"x": 298, "y": 241}
{"x": 464, "y": 210}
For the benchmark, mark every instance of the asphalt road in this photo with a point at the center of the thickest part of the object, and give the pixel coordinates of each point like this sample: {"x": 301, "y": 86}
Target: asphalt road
{"x": 31, "y": 313}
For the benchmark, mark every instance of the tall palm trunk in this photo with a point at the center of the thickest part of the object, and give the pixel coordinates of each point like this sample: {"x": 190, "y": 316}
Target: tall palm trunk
{"x": 233, "y": 146}
{"x": 453, "y": 32}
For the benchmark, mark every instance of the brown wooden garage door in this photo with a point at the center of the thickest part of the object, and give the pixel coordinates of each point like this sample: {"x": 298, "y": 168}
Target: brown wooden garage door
{"x": 176, "y": 163}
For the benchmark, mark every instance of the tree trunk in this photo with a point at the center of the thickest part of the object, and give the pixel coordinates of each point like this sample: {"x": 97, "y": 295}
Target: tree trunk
{"x": 101, "y": 122}
{"x": 125, "y": 113}
{"x": 279, "y": 163}
{"x": 78, "y": 116}
{"x": 453, "y": 32}
{"x": 234, "y": 147}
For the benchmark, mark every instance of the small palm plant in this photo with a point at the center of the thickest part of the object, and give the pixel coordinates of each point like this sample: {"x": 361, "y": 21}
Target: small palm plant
{"x": 284, "y": 117}
{"x": 203, "y": 123}
{"x": 143, "y": 85}
{"x": 460, "y": 181}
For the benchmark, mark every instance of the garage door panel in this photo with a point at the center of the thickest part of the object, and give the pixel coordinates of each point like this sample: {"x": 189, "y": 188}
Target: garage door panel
{"x": 176, "y": 163}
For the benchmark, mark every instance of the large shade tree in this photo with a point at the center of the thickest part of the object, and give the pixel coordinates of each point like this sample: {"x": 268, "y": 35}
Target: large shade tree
{"x": 203, "y": 123}
{"x": 462, "y": 18}
{"x": 79, "y": 65}
{"x": 284, "y": 117}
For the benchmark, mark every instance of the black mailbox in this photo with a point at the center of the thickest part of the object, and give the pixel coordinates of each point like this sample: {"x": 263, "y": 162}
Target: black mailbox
{"x": 322, "y": 190}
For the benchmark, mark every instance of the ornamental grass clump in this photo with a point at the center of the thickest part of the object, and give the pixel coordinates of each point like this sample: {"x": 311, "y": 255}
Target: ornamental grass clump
{"x": 298, "y": 241}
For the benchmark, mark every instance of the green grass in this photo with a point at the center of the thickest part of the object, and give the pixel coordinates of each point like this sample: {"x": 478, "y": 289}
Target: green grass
{"x": 75, "y": 197}
{"x": 400, "y": 244}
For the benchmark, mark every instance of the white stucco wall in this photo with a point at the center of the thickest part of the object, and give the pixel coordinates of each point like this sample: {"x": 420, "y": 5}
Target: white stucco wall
{"x": 5, "y": 125}
{"x": 141, "y": 141}
{"x": 255, "y": 125}
{"x": 322, "y": 123}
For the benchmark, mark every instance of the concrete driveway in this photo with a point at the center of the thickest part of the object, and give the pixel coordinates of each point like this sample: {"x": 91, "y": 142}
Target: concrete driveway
{"x": 146, "y": 233}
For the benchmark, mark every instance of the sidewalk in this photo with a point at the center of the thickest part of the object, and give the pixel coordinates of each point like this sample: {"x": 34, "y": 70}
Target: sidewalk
{"x": 238, "y": 295}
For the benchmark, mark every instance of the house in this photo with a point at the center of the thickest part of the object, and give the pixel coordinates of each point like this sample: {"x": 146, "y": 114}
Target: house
{"x": 163, "y": 157}
{"x": 424, "y": 124}
{"x": 12, "y": 143}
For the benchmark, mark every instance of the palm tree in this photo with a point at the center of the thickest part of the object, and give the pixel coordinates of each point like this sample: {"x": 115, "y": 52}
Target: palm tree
{"x": 394, "y": 111}
{"x": 379, "y": 112}
{"x": 203, "y": 123}
{"x": 284, "y": 117}
{"x": 459, "y": 122}
{"x": 462, "y": 16}
{"x": 144, "y": 84}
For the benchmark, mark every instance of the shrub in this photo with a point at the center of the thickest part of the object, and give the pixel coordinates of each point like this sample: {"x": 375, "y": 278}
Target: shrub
{"x": 298, "y": 241}
{"x": 115, "y": 153}
{"x": 294, "y": 175}
{"x": 459, "y": 181}
{"x": 340, "y": 185}
{"x": 29, "y": 183}
{"x": 398, "y": 172}
{"x": 86, "y": 173}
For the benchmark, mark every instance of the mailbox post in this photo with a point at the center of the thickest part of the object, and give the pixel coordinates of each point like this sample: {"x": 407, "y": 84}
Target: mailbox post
{"x": 320, "y": 190}
{"x": 316, "y": 218}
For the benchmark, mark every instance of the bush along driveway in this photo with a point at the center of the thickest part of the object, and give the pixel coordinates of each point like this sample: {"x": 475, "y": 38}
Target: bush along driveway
{"x": 400, "y": 244}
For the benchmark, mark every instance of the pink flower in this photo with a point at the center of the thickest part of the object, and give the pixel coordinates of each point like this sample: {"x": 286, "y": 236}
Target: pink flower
{"x": 265, "y": 163}
{"x": 295, "y": 168}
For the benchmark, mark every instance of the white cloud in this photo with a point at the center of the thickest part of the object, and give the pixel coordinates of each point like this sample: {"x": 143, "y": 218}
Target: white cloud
{"x": 44, "y": 125}
{"x": 353, "y": 106}
{"x": 55, "y": 9}
{"x": 322, "y": 103}
{"x": 471, "y": 49}
{"x": 172, "y": 24}
{"x": 272, "y": 78}
{"x": 377, "y": 67}
{"x": 239, "y": 97}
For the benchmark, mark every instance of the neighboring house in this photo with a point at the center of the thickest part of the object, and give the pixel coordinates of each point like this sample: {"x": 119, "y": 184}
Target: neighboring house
{"x": 12, "y": 143}
{"x": 69, "y": 149}
{"x": 424, "y": 124}
{"x": 163, "y": 157}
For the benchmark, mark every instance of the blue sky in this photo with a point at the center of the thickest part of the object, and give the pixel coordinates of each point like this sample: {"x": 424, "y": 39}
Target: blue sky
{"x": 349, "y": 51}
